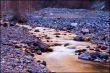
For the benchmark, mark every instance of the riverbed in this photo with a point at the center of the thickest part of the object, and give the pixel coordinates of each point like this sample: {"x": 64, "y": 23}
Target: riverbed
{"x": 63, "y": 58}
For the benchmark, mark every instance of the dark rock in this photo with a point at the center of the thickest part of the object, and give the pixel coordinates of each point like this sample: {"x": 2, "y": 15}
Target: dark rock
{"x": 38, "y": 61}
{"x": 39, "y": 52}
{"x": 49, "y": 50}
{"x": 29, "y": 52}
{"x": 5, "y": 24}
{"x": 12, "y": 23}
{"x": 103, "y": 47}
{"x": 91, "y": 49}
{"x": 38, "y": 46}
{"x": 43, "y": 62}
{"x": 36, "y": 30}
{"x": 104, "y": 56}
{"x": 78, "y": 38}
{"x": 85, "y": 56}
{"x": 17, "y": 46}
{"x": 97, "y": 49}
{"x": 80, "y": 51}
{"x": 66, "y": 44}
{"x": 95, "y": 55}
{"x": 88, "y": 47}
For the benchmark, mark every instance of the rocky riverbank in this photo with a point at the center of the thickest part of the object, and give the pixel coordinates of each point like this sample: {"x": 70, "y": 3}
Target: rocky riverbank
{"x": 16, "y": 54}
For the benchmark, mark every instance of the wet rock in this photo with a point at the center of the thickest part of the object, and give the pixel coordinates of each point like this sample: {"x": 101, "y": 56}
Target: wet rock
{"x": 102, "y": 47}
{"x": 39, "y": 52}
{"x": 78, "y": 38}
{"x": 28, "y": 52}
{"x": 97, "y": 49}
{"x": 38, "y": 45}
{"x": 84, "y": 56}
{"x": 36, "y": 30}
{"x": 91, "y": 49}
{"x": 66, "y": 44}
{"x": 43, "y": 62}
{"x": 104, "y": 56}
{"x": 56, "y": 33}
{"x": 80, "y": 51}
{"x": 42, "y": 46}
{"x": 95, "y": 55}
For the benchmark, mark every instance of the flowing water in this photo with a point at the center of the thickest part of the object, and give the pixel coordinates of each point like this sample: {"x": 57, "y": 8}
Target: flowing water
{"x": 63, "y": 59}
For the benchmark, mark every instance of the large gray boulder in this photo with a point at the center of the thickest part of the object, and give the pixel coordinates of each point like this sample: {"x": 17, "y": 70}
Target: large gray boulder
{"x": 85, "y": 56}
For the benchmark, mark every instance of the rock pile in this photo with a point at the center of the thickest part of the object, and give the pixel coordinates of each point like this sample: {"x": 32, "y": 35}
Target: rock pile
{"x": 96, "y": 55}
{"x": 15, "y": 52}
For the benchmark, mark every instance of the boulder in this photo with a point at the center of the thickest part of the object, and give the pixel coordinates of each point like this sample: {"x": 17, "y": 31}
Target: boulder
{"x": 42, "y": 46}
{"x": 85, "y": 56}
{"x": 38, "y": 45}
{"x": 78, "y": 38}
{"x": 104, "y": 56}
{"x": 95, "y": 55}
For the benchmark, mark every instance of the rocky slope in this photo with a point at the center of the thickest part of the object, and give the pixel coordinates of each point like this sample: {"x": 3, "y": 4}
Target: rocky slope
{"x": 16, "y": 55}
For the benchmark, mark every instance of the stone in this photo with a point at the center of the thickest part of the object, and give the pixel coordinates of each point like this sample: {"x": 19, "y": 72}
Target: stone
{"x": 80, "y": 51}
{"x": 5, "y": 24}
{"x": 104, "y": 56}
{"x": 74, "y": 24}
{"x": 84, "y": 56}
{"x": 43, "y": 62}
{"x": 97, "y": 60}
{"x": 39, "y": 52}
{"x": 95, "y": 55}
{"x": 36, "y": 30}
{"x": 78, "y": 38}
{"x": 97, "y": 49}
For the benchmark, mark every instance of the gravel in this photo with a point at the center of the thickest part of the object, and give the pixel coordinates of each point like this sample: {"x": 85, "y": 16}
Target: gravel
{"x": 15, "y": 59}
